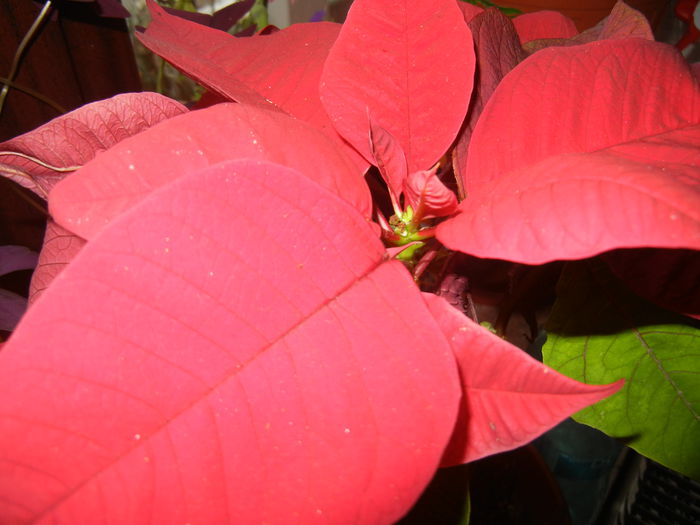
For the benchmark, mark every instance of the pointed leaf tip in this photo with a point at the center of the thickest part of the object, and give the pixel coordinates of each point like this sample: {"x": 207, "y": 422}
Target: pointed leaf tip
{"x": 385, "y": 59}
{"x": 388, "y": 157}
{"x": 510, "y": 398}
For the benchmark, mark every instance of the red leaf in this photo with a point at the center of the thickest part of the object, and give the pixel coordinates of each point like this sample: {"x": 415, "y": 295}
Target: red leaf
{"x": 510, "y": 398}
{"x": 622, "y": 22}
{"x": 59, "y": 248}
{"x": 469, "y": 11}
{"x": 428, "y": 196}
{"x": 389, "y": 158}
{"x": 235, "y": 348}
{"x": 578, "y": 99}
{"x": 384, "y": 63}
{"x": 669, "y": 278}
{"x": 640, "y": 193}
{"x": 201, "y": 52}
{"x": 122, "y": 176}
{"x": 498, "y": 50}
{"x": 544, "y": 24}
{"x": 276, "y": 71}
{"x": 69, "y": 141}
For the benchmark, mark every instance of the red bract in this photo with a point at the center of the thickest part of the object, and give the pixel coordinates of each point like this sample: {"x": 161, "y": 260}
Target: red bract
{"x": 41, "y": 158}
{"x": 276, "y": 71}
{"x": 496, "y": 374}
{"x": 250, "y": 351}
{"x": 113, "y": 183}
{"x": 384, "y": 64}
{"x": 234, "y": 344}
{"x": 544, "y": 24}
{"x": 584, "y": 170}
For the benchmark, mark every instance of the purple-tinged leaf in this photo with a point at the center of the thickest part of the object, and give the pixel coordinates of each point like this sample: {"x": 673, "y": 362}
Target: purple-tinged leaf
{"x": 384, "y": 63}
{"x": 669, "y": 278}
{"x": 498, "y": 50}
{"x": 224, "y": 19}
{"x": 14, "y": 258}
{"x": 87, "y": 200}
{"x": 389, "y": 158}
{"x": 255, "y": 344}
{"x": 643, "y": 193}
{"x": 12, "y": 308}
{"x": 191, "y": 16}
{"x": 622, "y": 22}
{"x": 509, "y": 397}
{"x": 40, "y": 158}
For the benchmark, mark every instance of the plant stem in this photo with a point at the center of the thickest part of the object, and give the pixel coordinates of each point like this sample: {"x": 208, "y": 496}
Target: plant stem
{"x": 21, "y": 48}
{"x": 43, "y": 98}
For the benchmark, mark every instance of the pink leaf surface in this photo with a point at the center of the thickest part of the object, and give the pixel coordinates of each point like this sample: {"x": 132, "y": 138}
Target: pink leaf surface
{"x": 581, "y": 99}
{"x": 510, "y": 398}
{"x": 214, "y": 357}
{"x": 276, "y": 71}
{"x": 384, "y": 63}
{"x": 643, "y": 193}
{"x": 59, "y": 248}
{"x": 104, "y": 188}
{"x": 498, "y": 50}
{"x": 544, "y": 24}
{"x": 40, "y": 158}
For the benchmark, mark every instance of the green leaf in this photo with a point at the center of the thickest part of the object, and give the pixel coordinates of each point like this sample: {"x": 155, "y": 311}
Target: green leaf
{"x": 485, "y": 4}
{"x": 599, "y": 332}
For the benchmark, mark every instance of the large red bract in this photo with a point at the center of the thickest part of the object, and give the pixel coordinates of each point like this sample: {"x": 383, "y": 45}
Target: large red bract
{"x": 233, "y": 344}
{"x": 226, "y": 359}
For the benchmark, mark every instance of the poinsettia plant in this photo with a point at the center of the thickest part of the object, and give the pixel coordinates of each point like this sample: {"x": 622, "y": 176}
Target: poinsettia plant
{"x": 235, "y": 319}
